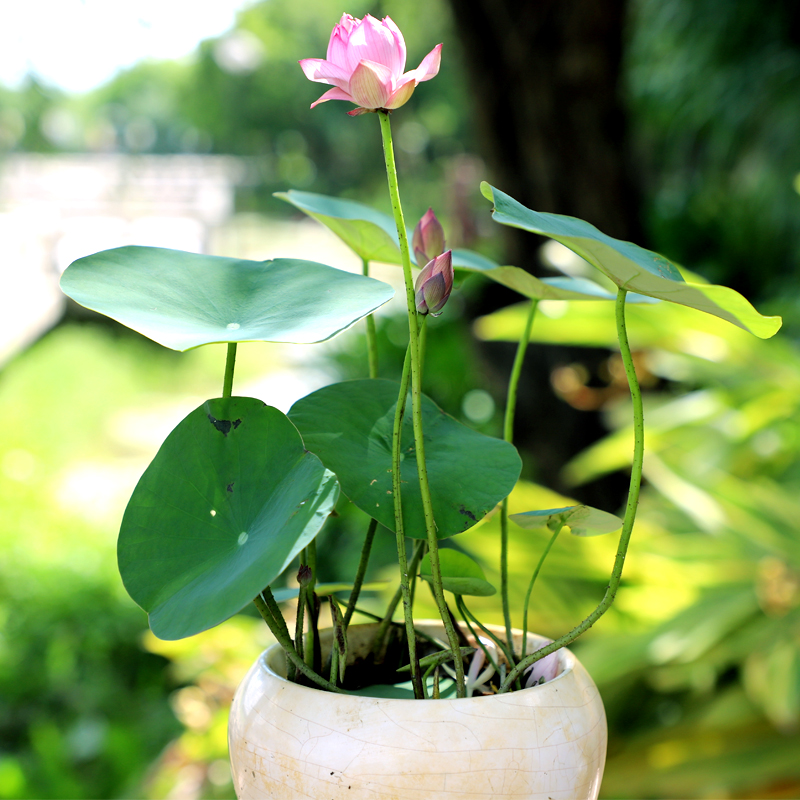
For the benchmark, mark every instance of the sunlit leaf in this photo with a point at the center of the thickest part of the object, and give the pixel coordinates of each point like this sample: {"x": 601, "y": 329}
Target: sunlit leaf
{"x": 581, "y": 520}
{"x": 372, "y": 235}
{"x": 229, "y": 500}
{"x": 184, "y": 300}
{"x": 630, "y": 266}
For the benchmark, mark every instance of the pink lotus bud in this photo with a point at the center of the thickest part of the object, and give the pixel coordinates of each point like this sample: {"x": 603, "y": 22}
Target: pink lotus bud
{"x": 434, "y": 284}
{"x": 545, "y": 669}
{"x": 365, "y": 63}
{"x": 428, "y": 238}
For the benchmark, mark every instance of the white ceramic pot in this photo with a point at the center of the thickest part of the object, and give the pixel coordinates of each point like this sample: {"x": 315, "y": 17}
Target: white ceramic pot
{"x": 288, "y": 741}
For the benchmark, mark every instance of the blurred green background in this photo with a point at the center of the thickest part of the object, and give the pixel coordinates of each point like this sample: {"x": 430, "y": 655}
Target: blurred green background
{"x": 699, "y": 660}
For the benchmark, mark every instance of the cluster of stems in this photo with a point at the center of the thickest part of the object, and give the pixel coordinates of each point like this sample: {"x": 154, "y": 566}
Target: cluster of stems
{"x": 304, "y": 652}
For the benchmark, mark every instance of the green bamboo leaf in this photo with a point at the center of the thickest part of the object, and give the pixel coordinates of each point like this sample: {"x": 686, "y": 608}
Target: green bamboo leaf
{"x": 349, "y": 426}
{"x": 229, "y": 500}
{"x": 184, "y": 300}
{"x": 630, "y": 266}
{"x": 581, "y": 520}
{"x": 460, "y": 574}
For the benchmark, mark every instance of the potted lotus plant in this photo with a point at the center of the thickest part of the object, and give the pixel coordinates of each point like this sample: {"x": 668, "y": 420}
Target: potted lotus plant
{"x": 238, "y": 492}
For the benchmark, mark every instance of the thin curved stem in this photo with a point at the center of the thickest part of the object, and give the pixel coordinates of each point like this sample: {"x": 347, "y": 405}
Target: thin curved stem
{"x": 360, "y": 572}
{"x": 372, "y": 336}
{"x": 535, "y": 575}
{"x": 416, "y": 401}
{"x": 230, "y": 363}
{"x": 630, "y": 510}
{"x": 508, "y": 435}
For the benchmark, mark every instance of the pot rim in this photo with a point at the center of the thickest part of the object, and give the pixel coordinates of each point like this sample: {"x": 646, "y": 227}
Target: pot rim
{"x": 566, "y": 659}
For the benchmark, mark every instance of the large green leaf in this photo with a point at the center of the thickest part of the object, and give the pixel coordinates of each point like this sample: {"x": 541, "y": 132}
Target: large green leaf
{"x": 349, "y": 426}
{"x": 229, "y": 500}
{"x": 183, "y": 300}
{"x": 581, "y": 520}
{"x": 630, "y": 266}
{"x": 372, "y": 235}
{"x": 460, "y": 574}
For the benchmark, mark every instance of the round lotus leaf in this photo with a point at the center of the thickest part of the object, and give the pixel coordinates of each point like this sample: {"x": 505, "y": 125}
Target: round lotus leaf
{"x": 349, "y": 426}
{"x": 229, "y": 500}
{"x": 184, "y": 300}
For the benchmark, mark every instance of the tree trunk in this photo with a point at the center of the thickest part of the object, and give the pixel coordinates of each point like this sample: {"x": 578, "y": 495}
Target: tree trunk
{"x": 545, "y": 78}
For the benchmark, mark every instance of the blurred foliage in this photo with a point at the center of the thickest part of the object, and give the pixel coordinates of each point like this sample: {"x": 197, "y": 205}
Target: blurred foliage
{"x": 701, "y": 678}
{"x": 712, "y": 88}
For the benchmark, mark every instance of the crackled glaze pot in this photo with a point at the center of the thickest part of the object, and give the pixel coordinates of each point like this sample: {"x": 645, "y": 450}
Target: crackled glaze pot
{"x": 543, "y": 743}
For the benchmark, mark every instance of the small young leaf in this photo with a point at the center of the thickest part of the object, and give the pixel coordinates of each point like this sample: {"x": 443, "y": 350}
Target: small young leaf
{"x": 460, "y": 574}
{"x": 581, "y": 520}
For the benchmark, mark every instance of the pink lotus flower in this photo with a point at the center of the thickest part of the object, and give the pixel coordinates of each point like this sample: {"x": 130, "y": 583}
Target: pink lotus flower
{"x": 428, "y": 238}
{"x": 434, "y": 284}
{"x": 365, "y": 63}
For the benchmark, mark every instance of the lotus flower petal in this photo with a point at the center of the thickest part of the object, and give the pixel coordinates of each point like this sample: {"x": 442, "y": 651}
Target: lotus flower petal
{"x": 365, "y": 60}
{"x": 333, "y": 94}
{"x": 371, "y": 84}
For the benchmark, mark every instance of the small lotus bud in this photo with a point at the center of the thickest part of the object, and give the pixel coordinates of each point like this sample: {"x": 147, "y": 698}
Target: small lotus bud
{"x": 434, "y": 284}
{"x": 304, "y": 575}
{"x": 427, "y": 239}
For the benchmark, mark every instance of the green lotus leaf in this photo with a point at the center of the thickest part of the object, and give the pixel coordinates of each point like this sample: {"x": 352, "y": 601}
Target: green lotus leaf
{"x": 581, "y": 520}
{"x": 229, "y": 500}
{"x": 632, "y": 267}
{"x": 460, "y": 574}
{"x": 349, "y": 426}
{"x": 184, "y": 300}
{"x": 372, "y": 235}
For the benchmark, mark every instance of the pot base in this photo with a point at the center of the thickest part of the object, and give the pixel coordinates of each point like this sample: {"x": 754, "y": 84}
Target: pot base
{"x": 544, "y": 743}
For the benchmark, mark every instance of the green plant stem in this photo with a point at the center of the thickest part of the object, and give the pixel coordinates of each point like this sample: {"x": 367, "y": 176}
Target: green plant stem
{"x": 300, "y": 622}
{"x": 230, "y": 363}
{"x": 372, "y": 336}
{"x": 405, "y": 586}
{"x": 360, "y": 572}
{"x": 502, "y": 646}
{"x": 372, "y": 355}
{"x": 416, "y": 400}
{"x": 508, "y": 435}
{"x": 466, "y": 617}
{"x": 630, "y": 510}
{"x": 386, "y": 620}
{"x": 265, "y": 603}
{"x": 535, "y": 575}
